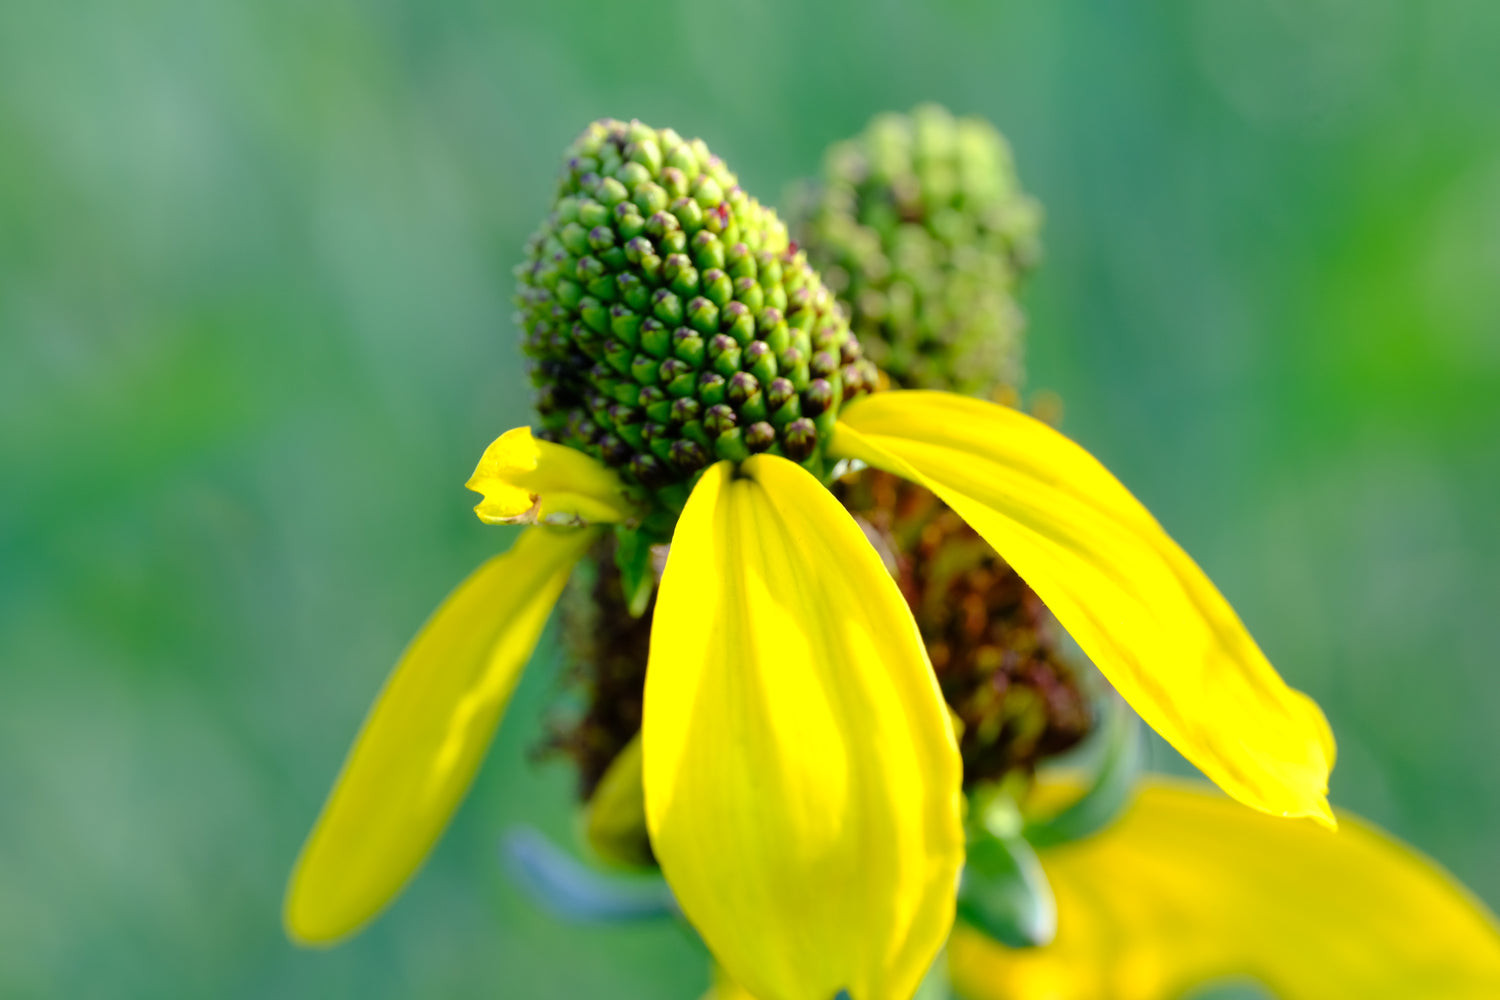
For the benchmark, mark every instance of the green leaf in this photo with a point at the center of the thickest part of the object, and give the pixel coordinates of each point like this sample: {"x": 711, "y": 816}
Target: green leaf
{"x": 637, "y": 574}
{"x": 1005, "y": 893}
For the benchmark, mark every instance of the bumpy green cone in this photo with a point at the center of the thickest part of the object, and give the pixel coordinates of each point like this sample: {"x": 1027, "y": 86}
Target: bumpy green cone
{"x": 919, "y": 225}
{"x": 670, "y": 321}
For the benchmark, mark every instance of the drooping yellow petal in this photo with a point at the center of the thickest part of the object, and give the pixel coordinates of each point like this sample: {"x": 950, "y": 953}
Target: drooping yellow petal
{"x": 425, "y": 737}
{"x": 1189, "y": 888}
{"x": 525, "y": 480}
{"x": 1140, "y": 608}
{"x": 802, "y": 779}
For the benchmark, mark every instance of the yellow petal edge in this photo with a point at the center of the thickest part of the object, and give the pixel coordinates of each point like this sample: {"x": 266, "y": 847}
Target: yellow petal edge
{"x": 724, "y": 988}
{"x": 425, "y": 737}
{"x": 1188, "y": 889}
{"x": 1138, "y": 606}
{"x": 525, "y": 480}
{"x": 802, "y": 780}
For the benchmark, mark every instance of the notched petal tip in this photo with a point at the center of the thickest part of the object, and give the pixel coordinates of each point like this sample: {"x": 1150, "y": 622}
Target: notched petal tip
{"x": 510, "y": 457}
{"x": 1324, "y": 817}
{"x": 528, "y": 481}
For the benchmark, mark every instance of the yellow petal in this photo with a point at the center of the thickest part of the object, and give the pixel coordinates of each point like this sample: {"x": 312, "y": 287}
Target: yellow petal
{"x": 425, "y": 737}
{"x": 802, "y": 780}
{"x": 1141, "y": 609}
{"x": 525, "y": 480}
{"x": 724, "y": 988}
{"x": 1188, "y": 888}
{"x": 615, "y": 820}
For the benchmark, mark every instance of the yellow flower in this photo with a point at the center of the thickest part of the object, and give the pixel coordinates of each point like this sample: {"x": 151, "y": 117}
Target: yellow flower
{"x": 802, "y": 783}
{"x": 1188, "y": 889}
{"x": 801, "y": 776}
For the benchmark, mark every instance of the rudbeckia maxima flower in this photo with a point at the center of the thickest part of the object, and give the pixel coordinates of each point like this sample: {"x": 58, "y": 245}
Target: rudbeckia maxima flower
{"x": 1188, "y": 889}
{"x": 802, "y": 780}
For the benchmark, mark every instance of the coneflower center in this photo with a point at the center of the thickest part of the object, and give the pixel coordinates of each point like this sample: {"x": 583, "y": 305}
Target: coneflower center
{"x": 671, "y": 323}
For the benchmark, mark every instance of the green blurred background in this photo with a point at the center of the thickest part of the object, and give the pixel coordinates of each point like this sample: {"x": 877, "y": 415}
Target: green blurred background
{"x": 255, "y": 330}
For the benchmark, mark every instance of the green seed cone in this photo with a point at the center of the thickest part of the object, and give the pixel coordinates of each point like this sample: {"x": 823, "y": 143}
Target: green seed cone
{"x": 669, "y": 320}
{"x": 920, "y": 227}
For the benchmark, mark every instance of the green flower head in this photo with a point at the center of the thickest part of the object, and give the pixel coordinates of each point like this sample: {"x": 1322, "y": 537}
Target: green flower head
{"x": 920, "y": 224}
{"x": 669, "y": 320}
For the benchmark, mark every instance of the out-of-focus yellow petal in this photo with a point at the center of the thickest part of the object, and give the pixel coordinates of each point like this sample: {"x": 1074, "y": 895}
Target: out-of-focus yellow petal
{"x": 1140, "y": 608}
{"x": 725, "y": 988}
{"x": 1188, "y": 888}
{"x": 425, "y": 737}
{"x": 802, "y": 779}
{"x": 615, "y": 820}
{"x": 525, "y": 480}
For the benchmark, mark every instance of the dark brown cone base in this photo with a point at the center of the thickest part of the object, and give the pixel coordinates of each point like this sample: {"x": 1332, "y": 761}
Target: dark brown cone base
{"x": 607, "y": 650}
{"x": 991, "y": 640}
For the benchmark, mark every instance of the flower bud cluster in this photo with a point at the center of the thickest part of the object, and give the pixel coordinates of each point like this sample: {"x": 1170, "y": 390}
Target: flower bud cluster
{"x": 670, "y": 322}
{"x": 919, "y": 225}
